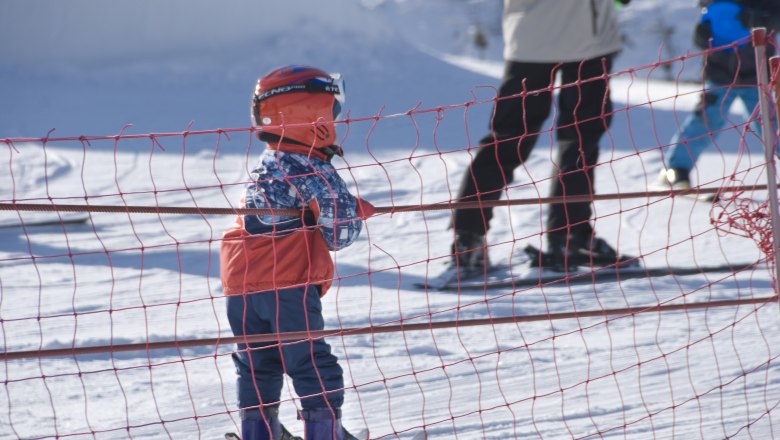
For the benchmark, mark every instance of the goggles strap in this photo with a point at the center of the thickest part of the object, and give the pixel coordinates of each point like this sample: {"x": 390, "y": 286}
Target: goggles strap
{"x": 310, "y": 87}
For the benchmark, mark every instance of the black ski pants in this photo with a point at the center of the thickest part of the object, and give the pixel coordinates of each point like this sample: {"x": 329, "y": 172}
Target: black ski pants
{"x": 583, "y": 115}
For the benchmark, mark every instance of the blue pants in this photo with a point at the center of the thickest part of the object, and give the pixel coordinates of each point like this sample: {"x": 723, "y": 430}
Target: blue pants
{"x": 708, "y": 117}
{"x": 311, "y": 365}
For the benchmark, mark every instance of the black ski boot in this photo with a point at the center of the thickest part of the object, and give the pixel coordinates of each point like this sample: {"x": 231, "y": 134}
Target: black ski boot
{"x": 566, "y": 252}
{"x": 469, "y": 254}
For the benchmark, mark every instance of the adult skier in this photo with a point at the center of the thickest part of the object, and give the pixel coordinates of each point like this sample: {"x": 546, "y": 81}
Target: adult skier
{"x": 573, "y": 39}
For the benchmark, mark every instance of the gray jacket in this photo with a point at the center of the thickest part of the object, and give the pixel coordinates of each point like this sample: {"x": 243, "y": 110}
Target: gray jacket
{"x": 553, "y": 31}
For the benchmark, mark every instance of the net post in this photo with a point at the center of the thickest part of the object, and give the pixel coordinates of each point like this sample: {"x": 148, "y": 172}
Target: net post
{"x": 774, "y": 79}
{"x": 759, "y": 39}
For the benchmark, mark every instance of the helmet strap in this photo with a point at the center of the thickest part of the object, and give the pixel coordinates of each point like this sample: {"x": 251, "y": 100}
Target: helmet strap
{"x": 332, "y": 150}
{"x": 276, "y": 142}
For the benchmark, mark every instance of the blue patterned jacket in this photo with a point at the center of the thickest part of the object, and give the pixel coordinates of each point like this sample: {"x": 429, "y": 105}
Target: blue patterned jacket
{"x": 266, "y": 252}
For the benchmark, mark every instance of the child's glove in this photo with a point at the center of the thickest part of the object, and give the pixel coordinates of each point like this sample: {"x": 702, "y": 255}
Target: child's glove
{"x": 364, "y": 209}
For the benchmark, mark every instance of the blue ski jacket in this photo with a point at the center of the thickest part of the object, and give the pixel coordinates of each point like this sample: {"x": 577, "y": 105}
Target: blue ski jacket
{"x": 728, "y": 21}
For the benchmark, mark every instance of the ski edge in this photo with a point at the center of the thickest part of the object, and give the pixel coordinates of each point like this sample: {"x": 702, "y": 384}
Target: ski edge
{"x": 602, "y": 274}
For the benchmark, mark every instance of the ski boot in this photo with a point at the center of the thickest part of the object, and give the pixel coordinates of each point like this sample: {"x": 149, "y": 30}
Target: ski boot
{"x": 255, "y": 427}
{"x": 566, "y": 252}
{"x": 469, "y": 255}
{"x": 323, "y": 423}
{"x": 673, "y": 178}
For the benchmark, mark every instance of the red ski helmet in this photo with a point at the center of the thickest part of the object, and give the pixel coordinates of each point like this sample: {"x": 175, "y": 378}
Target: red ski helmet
{"x": 293, "y": 95}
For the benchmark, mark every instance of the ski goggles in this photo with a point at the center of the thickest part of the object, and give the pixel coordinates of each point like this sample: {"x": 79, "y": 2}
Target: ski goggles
{"x": 333, "y": 84}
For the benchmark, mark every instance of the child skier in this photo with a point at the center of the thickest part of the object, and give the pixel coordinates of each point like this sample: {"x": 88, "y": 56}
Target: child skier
{"x": 728, "y": 74}
{"x": 275, "y": 267}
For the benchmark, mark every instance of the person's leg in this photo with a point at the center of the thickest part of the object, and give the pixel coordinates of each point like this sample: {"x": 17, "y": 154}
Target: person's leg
{"x": 315, "y": 371}
{"x": 585, "y": 113}
{"x": 259, "y": 371}
{"x": 517, "y": 119}
{"x": 700, "y": 127}
{"x": 749, "y": 97}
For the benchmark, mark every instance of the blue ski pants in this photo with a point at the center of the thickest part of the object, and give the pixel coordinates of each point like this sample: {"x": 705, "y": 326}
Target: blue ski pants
{"x": 709, "y": 116}
{"x": 311, "y": 365}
